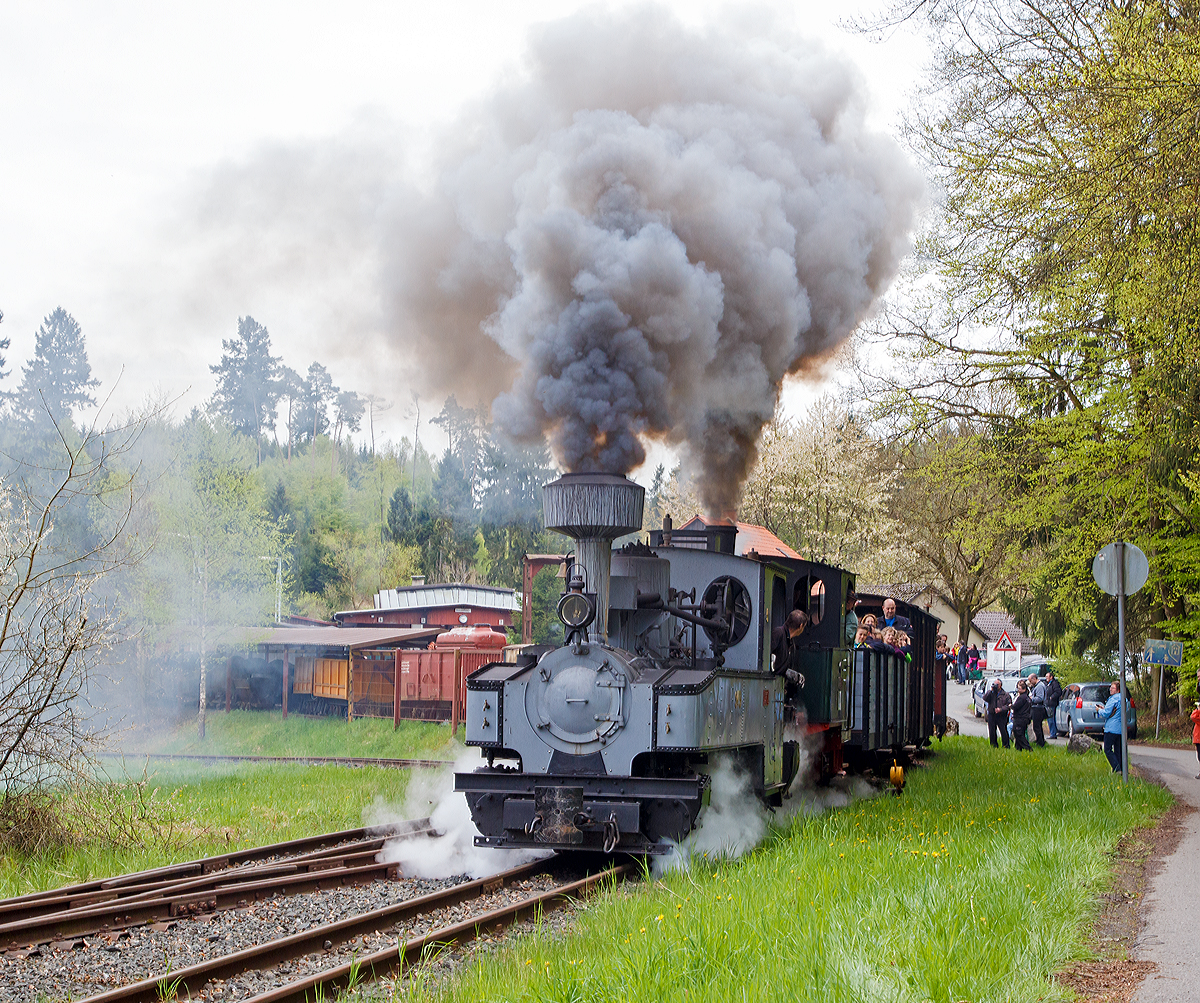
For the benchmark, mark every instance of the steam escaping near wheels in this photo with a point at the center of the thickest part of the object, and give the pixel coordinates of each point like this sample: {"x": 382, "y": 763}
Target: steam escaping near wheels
{"x": 735, "y": 821}
{"x": 452, "y": 851}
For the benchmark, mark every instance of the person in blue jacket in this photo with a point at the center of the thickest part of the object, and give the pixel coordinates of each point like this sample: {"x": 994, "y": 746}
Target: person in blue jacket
{"x": 1111, "y": 712}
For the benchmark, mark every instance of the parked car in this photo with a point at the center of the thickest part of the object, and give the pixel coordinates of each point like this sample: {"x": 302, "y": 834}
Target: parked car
{"x": 1037, "y": 665}
{"x": 1077, "y": 710}
{"x": 985, "y": 684}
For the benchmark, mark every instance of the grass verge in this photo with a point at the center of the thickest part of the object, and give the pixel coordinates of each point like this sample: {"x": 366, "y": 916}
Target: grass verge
{"x": 974, "y": 885}
{"x": 266, "y": 733}
{"x": 196, "y": 811}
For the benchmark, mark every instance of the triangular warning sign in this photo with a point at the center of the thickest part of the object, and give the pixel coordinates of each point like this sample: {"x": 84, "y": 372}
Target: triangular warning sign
{"x": 1004, "y": 644}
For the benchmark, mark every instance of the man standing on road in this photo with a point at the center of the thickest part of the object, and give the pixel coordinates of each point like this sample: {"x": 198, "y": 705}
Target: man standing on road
{"x": 1111, "y": 713}
{"x": 962, "y": 664}
{"x": 1053, "y": 696}
{"x": 998, "y": 705}
{"x": 1037, "y": 694}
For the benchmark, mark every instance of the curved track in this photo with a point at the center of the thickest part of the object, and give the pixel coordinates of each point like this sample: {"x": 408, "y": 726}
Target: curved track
{"x": 398, "y": 764}
{"x": 326, "y": 984}
{"x": 203, "y": 885}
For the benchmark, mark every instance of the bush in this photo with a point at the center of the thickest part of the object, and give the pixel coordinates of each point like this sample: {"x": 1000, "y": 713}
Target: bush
{"x": 32, "y": 822}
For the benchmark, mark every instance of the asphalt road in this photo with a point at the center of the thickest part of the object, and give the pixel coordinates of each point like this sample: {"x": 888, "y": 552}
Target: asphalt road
{"x": 1171, "y": 909}
{"x": 1171, "y": 937}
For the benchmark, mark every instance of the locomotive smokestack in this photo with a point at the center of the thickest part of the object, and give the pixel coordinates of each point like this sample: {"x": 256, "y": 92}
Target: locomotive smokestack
{"x": 594, "y": 509}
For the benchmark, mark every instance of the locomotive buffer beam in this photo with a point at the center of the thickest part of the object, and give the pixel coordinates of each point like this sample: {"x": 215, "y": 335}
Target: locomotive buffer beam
{"x": 628, "y": 814}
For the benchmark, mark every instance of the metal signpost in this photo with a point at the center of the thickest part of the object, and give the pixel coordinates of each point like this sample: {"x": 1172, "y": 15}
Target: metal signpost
{"x": 1120, "y": 569}
{"x": 1162, "y": 654}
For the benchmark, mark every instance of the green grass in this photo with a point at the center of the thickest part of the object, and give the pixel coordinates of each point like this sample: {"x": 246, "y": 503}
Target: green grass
{"x": 265, "y": 733}
{"x": 217, "y": 808}
{"x": 973, "y": 885}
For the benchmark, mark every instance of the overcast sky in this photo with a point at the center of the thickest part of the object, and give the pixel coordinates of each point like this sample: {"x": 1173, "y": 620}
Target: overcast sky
{"x": 119, "y": 122}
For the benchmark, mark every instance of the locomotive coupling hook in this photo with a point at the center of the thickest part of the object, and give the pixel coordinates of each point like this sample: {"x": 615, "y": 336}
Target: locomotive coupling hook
{"x": 612, "y": 833}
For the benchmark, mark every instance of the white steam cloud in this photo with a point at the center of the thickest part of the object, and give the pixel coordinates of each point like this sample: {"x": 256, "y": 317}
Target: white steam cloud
{"x": 735, "y": 821}
{"x": 452, "y": 851}
{"x": 655, "y": 226}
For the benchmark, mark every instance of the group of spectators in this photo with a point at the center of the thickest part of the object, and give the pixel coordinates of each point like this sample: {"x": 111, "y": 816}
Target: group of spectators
{"x": 891, "y": 632}
{"x": 959, "y": 660}
{"x": 1035, "y": 703}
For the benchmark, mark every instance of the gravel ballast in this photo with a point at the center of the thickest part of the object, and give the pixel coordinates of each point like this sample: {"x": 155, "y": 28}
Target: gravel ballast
{"x": 90, "y": 965}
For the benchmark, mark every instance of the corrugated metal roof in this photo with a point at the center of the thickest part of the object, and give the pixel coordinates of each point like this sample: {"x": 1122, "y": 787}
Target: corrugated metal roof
{"x": 352, "y": 637}
{"x": 423, "y": 596}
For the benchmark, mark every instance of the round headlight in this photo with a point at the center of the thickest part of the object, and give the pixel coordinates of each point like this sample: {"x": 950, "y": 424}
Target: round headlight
{"x": 575, "y": 610}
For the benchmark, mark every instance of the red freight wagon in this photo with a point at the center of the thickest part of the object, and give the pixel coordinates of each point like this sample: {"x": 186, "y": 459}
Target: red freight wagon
{"x": 430, "y": 681}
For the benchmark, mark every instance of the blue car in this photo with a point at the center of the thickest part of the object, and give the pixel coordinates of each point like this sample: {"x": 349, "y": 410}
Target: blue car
{"x": 1077, "y": 710}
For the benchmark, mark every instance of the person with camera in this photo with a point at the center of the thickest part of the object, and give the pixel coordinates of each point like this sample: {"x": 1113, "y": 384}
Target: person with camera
{"x": 998, "y": 705}
{"x": 1196, "y": 733}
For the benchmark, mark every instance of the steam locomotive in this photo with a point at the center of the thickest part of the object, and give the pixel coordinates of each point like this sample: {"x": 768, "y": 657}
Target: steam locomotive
{"x": 606, "y": 742}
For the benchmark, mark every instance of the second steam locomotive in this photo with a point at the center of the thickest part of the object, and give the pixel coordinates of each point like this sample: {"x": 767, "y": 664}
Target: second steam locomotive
{"x": 607, "y": 742}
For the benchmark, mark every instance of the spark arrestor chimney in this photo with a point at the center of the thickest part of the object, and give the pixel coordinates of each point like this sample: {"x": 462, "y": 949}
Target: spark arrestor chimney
{"x": 594, "y": 509}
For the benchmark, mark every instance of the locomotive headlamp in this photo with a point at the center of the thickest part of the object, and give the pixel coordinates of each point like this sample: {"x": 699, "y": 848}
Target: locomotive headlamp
{"x": 576, "y": 610}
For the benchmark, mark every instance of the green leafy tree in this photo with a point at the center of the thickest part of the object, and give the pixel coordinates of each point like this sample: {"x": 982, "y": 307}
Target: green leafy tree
{"x": 217, "y": 588}
{"x": 1062, "y": 309}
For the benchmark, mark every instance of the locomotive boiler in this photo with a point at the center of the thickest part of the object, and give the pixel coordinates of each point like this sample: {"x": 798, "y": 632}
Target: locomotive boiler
{"x": 607, "y": 742}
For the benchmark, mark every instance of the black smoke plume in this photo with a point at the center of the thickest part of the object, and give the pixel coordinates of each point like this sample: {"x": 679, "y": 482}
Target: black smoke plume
{"x": 645, "y": 233}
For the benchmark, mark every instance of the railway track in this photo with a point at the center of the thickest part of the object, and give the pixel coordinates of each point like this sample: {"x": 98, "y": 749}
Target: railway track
{"x": 209, "y": 884}
{"x": 358, "y": 761}
{"x": 326, "y": 983}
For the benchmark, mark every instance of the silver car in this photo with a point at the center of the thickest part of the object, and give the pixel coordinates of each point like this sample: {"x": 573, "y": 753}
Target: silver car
{"x": 1077, "y": 710}
{"x": 978, "y": 694}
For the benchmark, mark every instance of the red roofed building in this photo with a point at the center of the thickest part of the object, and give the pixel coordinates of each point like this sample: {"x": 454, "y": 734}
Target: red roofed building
{"x": 749, "y": 538}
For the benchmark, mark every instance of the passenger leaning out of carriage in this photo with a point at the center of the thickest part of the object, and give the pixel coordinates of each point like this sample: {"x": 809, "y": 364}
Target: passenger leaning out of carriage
{"x": 941, "y": 657}
{"x": 999, "y": 703}
{"x": 865, "y": 637}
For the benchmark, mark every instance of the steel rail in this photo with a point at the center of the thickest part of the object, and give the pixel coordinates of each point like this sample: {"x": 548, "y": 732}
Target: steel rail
{"x": 372, "y": 967}
{"x": 345, "y": 863}
{"x": 191, "y": 980}
{"x": 221, "y": 861}
{"x": 339, "y": 856}
{"x": 406, "y": 764}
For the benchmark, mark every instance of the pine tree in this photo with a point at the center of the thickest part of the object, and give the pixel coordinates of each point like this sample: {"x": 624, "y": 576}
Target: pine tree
{"x": 4, "y": 346}
{"x": 59, "y": 377}
{"x": 317, "y": 394}
{"x": 248, "y": 388}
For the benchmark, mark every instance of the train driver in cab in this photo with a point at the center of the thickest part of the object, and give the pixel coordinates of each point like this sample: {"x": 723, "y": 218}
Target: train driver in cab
{"x": 892, "y": 619}
{"x": 783, "y": 646}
